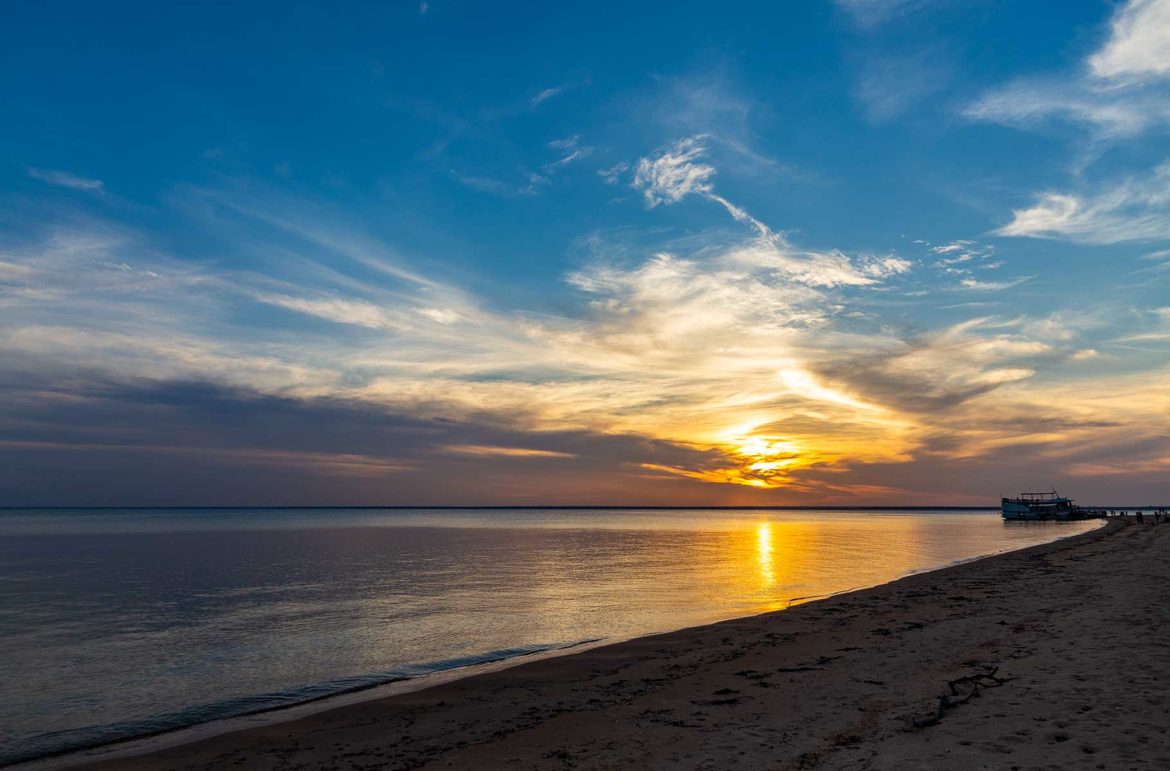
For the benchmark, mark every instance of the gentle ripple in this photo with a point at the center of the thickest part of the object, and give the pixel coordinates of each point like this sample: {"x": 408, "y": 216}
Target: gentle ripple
{"x": 116, "y": 623}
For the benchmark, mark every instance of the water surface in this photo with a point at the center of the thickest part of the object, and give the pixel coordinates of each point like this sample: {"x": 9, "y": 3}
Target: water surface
{"x": 122, "y": 622}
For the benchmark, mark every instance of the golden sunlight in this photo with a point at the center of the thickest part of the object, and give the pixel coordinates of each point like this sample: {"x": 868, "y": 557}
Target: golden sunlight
{"x": 764, "y": 549}
{"x": 803, "y": 384}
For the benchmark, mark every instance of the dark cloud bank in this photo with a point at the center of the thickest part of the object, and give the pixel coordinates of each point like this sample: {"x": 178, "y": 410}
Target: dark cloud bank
{"x": 189, "y": 443}
{"x": 98, "y": 442}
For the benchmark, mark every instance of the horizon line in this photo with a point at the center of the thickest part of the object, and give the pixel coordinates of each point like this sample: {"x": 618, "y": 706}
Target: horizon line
{"x": 581, "y": 507}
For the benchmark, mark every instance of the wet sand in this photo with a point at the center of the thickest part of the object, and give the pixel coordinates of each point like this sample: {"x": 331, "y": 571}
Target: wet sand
{"x": 1048, "y": 658}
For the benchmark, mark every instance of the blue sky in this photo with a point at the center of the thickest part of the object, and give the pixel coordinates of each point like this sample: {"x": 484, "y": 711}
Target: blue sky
{"x": 862, "y": 251}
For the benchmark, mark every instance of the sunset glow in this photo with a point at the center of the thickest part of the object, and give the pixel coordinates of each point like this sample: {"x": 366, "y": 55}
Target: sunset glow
{"x": 924, "y": 280}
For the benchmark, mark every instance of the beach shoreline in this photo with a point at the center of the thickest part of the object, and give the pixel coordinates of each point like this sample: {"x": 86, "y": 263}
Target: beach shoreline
{"x": 208, "y": 718}
{"x": 519, "y": 705}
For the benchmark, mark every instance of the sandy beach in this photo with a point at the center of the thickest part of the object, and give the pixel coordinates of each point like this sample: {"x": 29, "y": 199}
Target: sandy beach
{"x": 1046, "y": 658}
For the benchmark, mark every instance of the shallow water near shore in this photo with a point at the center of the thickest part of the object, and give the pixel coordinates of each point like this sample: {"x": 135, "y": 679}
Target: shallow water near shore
{"x": 117, "y": 623}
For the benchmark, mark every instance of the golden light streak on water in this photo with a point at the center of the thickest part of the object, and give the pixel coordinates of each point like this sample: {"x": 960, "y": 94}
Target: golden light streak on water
{"x": 275, "y": 601}
{"x": 764, "y": 550}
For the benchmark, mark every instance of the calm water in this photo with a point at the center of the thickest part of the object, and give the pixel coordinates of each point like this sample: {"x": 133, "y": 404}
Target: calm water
{"x": 122, "y": 622}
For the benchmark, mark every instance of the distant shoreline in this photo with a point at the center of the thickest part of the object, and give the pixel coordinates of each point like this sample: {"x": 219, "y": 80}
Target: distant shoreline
{"x": 515, "y": 508}
{"x": 403, "y": 507}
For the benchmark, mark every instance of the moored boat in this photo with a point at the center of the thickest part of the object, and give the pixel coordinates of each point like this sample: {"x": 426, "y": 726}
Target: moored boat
{"x": 1041, "y": 506}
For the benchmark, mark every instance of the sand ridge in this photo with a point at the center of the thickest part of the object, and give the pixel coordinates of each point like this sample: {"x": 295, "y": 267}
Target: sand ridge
{"x": 1046, "y": 658}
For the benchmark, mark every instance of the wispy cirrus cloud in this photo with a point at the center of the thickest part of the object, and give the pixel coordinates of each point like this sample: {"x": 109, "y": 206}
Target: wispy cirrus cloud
{"x": 570, "y": 150}
{"x": 484, "y": 184}
{"x": 1134, "y": 209}
{"x": 952, "y": 247}
{"x": 966, "y": 260}
{"x": 675, "y": 173}
{"x": 1120, "y": 93}
{"x": 992, "y": 286}
{"x": 1121, "y": 90}
{"x": 724, "y": 329}
{"x": 736, "y": 357}
{"x": 681, "y": 170}
{"x": 611, "y": 175}
{"x": 343, "y": 464}
{"x": 565, "y": 143}
{"x": 647, "y": 356}
{"x": 1111, "y": 112}
{"x": 890, "y": 85}
{"x": 342, "y": 311}
{"x": 67, "y": 179}
{"x": 872, "y": 13}
{"x": 575, "y": 154}
{"x": 544, "y": 95}
{"x": 961, "y": 256}
{"x": 507, "y": 452}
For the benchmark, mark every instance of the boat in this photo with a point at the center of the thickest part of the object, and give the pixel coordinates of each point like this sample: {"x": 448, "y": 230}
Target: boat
{"x": 1040, "y": 506}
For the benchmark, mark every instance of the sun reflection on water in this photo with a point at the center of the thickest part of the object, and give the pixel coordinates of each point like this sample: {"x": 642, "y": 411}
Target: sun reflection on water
{"x": 764, "y": 550}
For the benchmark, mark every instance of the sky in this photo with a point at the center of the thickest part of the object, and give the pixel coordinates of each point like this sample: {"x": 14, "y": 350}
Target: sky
{"x": 479, "y": 253}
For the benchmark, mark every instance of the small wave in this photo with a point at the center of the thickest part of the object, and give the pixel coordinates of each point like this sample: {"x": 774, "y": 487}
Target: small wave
{"x": 56, "y": 743}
